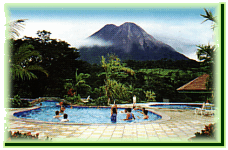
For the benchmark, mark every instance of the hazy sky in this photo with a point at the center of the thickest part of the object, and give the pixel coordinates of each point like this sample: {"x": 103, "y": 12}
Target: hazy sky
{"x": 179, "y": 26}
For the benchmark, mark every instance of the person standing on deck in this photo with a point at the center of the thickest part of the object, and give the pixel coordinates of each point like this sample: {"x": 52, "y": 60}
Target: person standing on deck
{"x": 108, "y": 101}
{"x": 134, "y": 100}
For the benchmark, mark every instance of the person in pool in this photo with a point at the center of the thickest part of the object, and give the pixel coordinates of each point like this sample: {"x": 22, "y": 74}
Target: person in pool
{"x": 143, "y": 111}
{"x": 113, "y": 115}
{"x": 124, "y": 112}
{"x": 136, "y": 108}
{"x": 145, "y": 116}
{"x": 130, "y": 116}
{"x": 62, "y": 109}
{"x": 65, "y": 118}
{"x": 57, "y": 115}
{"x": 114, "y": 106}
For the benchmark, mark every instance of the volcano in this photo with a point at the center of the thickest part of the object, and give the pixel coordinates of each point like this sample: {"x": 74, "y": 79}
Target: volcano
{"x": 130, "y": 41}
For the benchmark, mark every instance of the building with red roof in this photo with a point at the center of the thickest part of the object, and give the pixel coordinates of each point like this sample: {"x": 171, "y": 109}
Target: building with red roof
{"x": 198, "y": 85}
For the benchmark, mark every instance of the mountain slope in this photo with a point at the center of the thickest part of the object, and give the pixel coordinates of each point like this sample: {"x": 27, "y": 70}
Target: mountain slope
{"x": 129, "y": 41}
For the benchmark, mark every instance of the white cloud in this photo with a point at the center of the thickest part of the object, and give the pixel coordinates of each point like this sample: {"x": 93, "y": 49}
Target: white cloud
{"x": 73, "y": 32}
{"x": 184, "y": 37}
{"x": 92, "y": 42}
{"x": 179, "y": 35}
{"x": 191, "y": 33}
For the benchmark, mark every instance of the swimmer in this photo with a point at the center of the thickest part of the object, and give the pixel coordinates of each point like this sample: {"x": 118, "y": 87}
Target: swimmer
{"x": 113, "y": 115}
{"x": 130, "y": 115}
{"x": 62, "y": 109}
{"x": 114, "y": 106}
{"x": 136, "y": 108}
{"x": 143, "y": 110}
{"x": 57, "y": 115}
{"x": 124, "y": 112}
{"x": 65, "y": 118}
{"x": 145, "y": 116}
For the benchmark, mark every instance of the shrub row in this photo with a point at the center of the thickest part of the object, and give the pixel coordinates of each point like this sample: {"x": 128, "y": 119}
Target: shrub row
{"x": 23, "y": 136}
{"x": 209, "y": 132}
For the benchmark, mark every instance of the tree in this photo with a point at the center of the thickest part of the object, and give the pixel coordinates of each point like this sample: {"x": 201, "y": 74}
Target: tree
{"x": 206, "y": 53}
{"x": 150, "y": 95}
{"x": 15, "y": 27}
{"x": 209, "y": 16}
{"x": 114, "y": 72}
{"x": 79, "y": 84}
{"x": 21, "y": 65}
{"x": 20, "y": 58}
{"x": 44, "y": 35}
{"x": 57, "y": 57}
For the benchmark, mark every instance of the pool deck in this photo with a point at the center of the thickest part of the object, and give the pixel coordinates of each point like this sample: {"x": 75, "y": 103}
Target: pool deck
{"x": 176, "y": 125}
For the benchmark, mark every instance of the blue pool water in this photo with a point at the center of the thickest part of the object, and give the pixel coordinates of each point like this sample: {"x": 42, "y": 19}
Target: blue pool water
{"x": 81, "y": 114}
{"x": 176, "y": 106}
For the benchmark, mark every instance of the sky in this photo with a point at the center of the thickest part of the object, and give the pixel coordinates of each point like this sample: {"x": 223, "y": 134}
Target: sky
{"x": 179, "y": 26}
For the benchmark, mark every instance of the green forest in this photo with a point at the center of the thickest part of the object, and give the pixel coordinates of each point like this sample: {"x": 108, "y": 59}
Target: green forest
{"x": 45, "y": 67}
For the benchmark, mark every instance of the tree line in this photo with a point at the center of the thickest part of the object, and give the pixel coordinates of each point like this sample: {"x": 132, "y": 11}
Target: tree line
{"x": 62, "y": 71}
{"x": 49, "y": 67}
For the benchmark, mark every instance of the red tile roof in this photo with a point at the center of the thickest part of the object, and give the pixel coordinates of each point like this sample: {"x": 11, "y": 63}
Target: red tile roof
{"x": 197, "y": 84}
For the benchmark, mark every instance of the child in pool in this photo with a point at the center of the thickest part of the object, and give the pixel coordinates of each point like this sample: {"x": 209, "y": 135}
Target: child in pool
{"x": 65, "y": 118}
{"x": 145, "y": 116}
{"x": 57, "y": 115}
{"x": 130, "y": 115}
{"x": 62, "y": 109}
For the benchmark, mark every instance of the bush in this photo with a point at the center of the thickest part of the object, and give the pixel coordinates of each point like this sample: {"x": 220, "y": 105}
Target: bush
{"x": 16, "y": 102}
{"x": 19, "y": 136}
{"x": 26, "y": 136}
{"x": 209, "y": 132}
{"x": 102, "y": 101}
{"x": 73, "y": 99}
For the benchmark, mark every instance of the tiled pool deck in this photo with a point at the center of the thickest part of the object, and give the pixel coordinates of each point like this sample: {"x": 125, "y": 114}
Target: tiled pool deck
{"x": 176, "y": 125}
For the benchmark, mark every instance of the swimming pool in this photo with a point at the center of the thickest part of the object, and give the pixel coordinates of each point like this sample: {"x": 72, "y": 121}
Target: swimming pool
{"x": 81, "y": 114}
{"x": 177, "y": 106}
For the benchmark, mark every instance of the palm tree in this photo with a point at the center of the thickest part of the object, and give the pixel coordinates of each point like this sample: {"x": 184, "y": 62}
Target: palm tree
{"x": 80, "y": 81}
{"x": 209, "y": 16}
{"x": 20, "y": 66}
{"x": 15, "y": 27}
{"x": 206, "y": 53}
{"x": 114, "y": 72}
{"x": 19, "y": 59}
